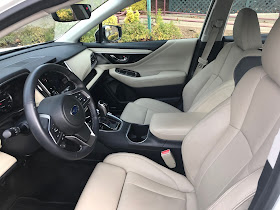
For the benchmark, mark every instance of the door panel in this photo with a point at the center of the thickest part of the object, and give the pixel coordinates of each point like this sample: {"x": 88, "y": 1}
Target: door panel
{"x": 160, "y": 74}
{"x": 151, "y": 45}
{"x": 174, "y": 55}
{"x": 117, "y": 94}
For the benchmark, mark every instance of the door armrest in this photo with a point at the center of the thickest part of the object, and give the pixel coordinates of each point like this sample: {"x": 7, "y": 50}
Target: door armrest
{"x": 163, "y": 78}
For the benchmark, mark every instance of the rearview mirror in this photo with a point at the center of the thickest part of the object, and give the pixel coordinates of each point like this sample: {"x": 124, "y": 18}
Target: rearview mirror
{"x": 74, "y": 12}
{"x": 110, "y": 33}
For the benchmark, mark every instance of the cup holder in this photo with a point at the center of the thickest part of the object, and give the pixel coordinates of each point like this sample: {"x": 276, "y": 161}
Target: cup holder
{"x": 137, "y": 133}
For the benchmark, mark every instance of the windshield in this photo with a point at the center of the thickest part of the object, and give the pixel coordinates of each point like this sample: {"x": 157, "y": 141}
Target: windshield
{"x": 42, "y": 30}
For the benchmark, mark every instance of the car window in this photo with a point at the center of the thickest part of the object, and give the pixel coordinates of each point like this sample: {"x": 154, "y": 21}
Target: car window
{"x": 267, "y": 10}
{"x": 174, "y": 19}
{"x": 42, "y": 30}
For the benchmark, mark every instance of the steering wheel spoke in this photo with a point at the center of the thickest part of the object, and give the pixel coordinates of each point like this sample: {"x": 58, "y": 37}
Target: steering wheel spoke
{"x": 53, "y": 131}
{"x": 85, "y": 137}
{"x": 82, "y": 96}
{"x": 58, "y": 123}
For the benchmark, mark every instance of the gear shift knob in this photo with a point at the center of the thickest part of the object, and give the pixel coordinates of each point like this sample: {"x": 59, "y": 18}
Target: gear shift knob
{"x": 103, "y": 108}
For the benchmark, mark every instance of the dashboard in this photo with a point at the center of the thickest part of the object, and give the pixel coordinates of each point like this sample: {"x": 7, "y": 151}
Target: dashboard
{"x": 14, "y": 70}
{"x": 11, "y": 92}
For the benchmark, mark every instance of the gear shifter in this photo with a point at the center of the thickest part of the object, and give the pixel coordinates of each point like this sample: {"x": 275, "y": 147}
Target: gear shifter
{"x": 106, "y": 121}
{"x": 103, "y": 108}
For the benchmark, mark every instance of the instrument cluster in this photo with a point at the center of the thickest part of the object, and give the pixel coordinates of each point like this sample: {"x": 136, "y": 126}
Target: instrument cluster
{"x": 11, "y": 95}
{"x": 54, "y": 83}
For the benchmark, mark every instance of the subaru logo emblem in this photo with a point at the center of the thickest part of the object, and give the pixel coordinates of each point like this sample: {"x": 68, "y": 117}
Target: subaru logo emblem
{"x": 74, "y": 110}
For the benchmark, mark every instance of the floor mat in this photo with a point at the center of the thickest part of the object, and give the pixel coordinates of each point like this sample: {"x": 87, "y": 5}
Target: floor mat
{"x": 34, "y": 204}
{"x": 45, "y": 178}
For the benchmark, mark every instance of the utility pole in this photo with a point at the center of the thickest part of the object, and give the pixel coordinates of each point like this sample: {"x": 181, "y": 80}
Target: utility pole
{"x": 149, "y": 13}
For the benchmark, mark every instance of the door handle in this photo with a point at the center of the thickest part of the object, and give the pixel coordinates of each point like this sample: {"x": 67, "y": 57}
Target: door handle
{"x": 120, "y": 58}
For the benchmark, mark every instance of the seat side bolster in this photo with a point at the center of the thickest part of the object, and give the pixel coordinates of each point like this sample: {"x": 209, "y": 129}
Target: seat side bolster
{"x": 103, "y": 189}
{"x": 151, "y": 170}
{"x": 242, "y": 191}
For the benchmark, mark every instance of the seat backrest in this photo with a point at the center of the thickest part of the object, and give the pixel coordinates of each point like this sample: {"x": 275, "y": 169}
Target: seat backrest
{"x": 225, "y": 153}
{"x": 247, "y": 42}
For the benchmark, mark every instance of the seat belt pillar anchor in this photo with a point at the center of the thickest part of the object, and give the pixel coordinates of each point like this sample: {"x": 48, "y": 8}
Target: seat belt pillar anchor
{"x": 168, "y": 158}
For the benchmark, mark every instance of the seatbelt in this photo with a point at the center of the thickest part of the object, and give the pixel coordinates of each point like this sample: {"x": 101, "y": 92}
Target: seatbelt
{"x": 203, "y": 60}
{"x": 266, "y": 174}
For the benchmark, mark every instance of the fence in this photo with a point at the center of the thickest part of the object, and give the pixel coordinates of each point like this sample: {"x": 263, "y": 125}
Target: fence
{"x": 201, "y": 6}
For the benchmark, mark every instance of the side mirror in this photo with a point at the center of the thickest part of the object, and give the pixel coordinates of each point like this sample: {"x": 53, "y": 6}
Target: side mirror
{"x": 110, "y": 33}
{"x": 73, "y": 13}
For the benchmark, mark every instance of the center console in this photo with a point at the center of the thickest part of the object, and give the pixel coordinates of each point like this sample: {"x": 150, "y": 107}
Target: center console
{"x": 122, "y": 136}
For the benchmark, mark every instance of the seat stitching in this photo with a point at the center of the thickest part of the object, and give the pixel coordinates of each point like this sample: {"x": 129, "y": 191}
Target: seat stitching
{"x": 247, "y": 141}
{"x": 145, "y": 116}
{"x": 232, "y": 188}
{"x": 257, "y": 84}
{"x": 210, "y": 95}
{"x": 149, "y": 164}
{"x": 224, "y": 104}
{"x": 244, "y": 200}
{"x": 121, "y": 191}
{"x": 218, "y": 155}
{"x": 268, "y": 134}
{"x": 205, "y": 89}
{"x": 217, "y": 74}
{"x": 154, "y": 191}
{"x": 246, "y": 165}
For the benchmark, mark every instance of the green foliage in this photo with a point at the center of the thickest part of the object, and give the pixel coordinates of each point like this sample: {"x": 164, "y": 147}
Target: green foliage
{"x": 140, "y": 6}
{"x": 89, "y": 36}
{"x": 28, "y": 36}
{"x": 131, "y": 16}
{"x": 65, "y": 15}
{"x": 113, "y": 20}
{"x": 133, "y": 30}
{"x": 165, "y": 31}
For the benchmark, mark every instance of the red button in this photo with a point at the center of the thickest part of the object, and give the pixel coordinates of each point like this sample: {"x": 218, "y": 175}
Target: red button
{"x": 165, "y": 152}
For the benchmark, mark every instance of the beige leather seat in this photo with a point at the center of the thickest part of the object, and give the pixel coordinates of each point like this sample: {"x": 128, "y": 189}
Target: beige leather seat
{"x": 223, "y": 155}
{"x": 214, "y": 83}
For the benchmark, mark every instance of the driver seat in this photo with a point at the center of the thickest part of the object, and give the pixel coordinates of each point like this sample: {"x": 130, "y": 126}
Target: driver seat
{"x": 223, "y": 155}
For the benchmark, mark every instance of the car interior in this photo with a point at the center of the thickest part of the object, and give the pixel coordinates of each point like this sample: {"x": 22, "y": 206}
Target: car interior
{"x": 160, "y": 124}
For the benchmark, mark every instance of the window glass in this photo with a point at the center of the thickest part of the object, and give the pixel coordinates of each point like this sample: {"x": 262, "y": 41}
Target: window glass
{"x": 267, "y": 10}
{"x": 42, "y": 30}
{"x": 172, "y": 21}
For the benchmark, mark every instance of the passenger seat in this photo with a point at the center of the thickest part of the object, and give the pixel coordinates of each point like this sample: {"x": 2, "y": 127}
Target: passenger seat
{"x": 214, "y": 83}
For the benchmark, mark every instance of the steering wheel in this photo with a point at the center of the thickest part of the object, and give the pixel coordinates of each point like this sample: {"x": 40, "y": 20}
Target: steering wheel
{"x": 59, "y": 123}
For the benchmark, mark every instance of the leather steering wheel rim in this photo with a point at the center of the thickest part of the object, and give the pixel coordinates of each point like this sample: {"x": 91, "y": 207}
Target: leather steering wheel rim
{"x": 42, "y": 135}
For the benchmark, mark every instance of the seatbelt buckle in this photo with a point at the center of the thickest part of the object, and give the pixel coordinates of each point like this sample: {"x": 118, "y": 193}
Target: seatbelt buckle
{"x": 168, "y": 158}
{"x": 202, "y": 62}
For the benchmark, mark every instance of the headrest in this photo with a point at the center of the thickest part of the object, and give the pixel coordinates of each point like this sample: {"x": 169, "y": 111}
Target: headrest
{"x": 246, "y": 30}
{"x": 271, "y": 53}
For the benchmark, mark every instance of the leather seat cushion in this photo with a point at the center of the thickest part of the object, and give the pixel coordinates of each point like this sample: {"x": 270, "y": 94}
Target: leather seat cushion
{"x": 141, "y": 111}
{"x": 128, "y": 181}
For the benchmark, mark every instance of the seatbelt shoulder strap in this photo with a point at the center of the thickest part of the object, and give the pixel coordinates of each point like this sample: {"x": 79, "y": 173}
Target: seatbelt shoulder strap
{"x": 203, "y": 60}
